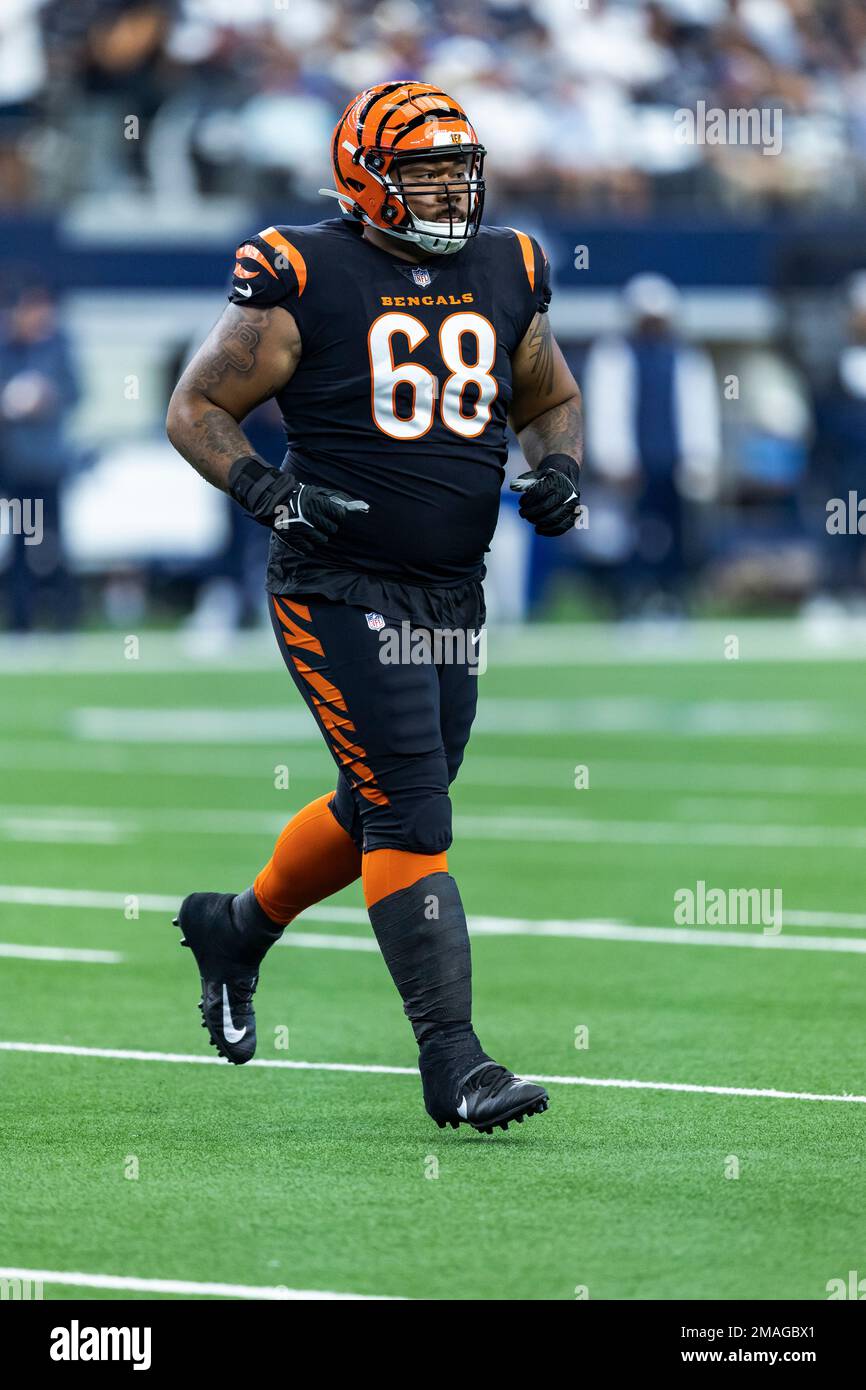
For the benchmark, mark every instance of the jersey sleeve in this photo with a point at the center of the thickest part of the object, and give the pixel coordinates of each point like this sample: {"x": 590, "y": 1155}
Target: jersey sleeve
{"x": 270, "y": 268}
{"x": 533, "y": 276}
{"x": 545, "y": 290}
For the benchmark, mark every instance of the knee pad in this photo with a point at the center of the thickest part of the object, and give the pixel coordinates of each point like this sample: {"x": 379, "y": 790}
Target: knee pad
{"x": 427, "y": 829}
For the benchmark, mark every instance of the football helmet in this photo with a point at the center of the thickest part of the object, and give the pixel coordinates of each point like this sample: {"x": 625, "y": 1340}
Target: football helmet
{"x": 379, "y": 136}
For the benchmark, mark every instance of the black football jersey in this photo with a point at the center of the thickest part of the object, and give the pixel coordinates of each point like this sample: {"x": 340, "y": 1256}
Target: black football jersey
{"x": 401, "y": 399}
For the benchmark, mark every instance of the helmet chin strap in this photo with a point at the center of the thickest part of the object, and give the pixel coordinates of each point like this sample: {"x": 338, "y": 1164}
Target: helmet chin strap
{"x": 346, "y": 204}
{"x": 429, "y": 240}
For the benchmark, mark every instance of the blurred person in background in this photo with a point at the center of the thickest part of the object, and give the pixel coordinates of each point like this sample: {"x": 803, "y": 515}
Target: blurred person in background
{"x": 108, "y": 77}
{"x": 840, "y": 453}
{"x": 38, "y": 390}
{"x": 772, "y": 427}
{"x": 22, "y": 77}
{"x": 764, "y": 551}
{"x": 653, "y": 435}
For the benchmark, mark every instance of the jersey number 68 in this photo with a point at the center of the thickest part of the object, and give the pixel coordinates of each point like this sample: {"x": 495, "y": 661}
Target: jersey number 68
{"x": 386, "y": 375}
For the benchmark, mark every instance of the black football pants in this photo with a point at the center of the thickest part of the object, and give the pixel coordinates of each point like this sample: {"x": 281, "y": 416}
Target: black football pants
{"x": 396, "y": 728}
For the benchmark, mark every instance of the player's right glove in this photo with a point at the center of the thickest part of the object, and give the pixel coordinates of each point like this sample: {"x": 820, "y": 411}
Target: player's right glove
{"x": 302, "y": 514}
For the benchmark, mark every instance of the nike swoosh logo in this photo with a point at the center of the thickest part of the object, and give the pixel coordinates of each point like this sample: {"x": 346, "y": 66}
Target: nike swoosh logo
{"x": 245, "y": 291}
{"x": 463, "y": 1109}
{"x": 476, "y": 638}
{"x": 232, "y": 1034}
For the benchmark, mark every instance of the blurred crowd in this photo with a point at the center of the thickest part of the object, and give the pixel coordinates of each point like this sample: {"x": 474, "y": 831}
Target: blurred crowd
{"x": 575, "y": 99}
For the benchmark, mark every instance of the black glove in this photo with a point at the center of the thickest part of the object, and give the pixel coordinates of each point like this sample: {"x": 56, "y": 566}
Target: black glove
{"x": 301, "y": 514}
{"x": 551, "y": 497}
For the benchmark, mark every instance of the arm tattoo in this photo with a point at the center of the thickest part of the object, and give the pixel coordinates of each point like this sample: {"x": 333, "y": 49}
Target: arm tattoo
{"x": 236, "y": 351}
{"x": 558, "y": 431}
{"x": 216, "y": 436}
{"x": 230, "y": 366}
{"x": 541, "y": 353}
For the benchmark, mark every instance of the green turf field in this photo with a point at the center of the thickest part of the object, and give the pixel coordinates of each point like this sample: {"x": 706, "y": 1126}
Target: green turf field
{"x": 124, "y": 788}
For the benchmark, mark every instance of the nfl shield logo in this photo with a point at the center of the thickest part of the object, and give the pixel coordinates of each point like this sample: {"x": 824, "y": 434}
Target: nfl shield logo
{"x": 375, "y": 621}
{"x": 421, "y": 276}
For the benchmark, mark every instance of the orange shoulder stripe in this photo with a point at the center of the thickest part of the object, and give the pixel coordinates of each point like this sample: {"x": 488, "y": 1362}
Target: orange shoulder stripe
{"x": 291, "y": 253}
{"x": 528, "y": 255}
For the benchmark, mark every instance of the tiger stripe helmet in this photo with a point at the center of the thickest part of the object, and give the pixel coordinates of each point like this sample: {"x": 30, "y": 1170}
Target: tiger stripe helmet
{"x": 376, "y": 139}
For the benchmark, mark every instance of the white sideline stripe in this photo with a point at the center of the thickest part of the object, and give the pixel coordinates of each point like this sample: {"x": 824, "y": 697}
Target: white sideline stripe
{"x": 60, "y": 953}
{"x": 134, "y": 1055}
{"x": 597, "y": 930}
{"x": 520, "y": 824}
{"x": 126, "y": 1055}
{"x": 482, "y": 770}
{"x": 850, "y": 920}
{"x": 37, "y": 896}
{"x": 837, "y": 637}
{"x": 321, "y": 941}
{"x": 179, "y": 1286}
{"x": 58, "y": 830}
{"x": 497, "y": 714}
{"x": 666, "y": 936}
{"x": 526, "y": 824}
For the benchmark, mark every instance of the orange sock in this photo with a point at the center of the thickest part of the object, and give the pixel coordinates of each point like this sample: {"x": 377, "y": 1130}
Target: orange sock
{"x": 313, "y": 858}
{"x": 388, "y": 870}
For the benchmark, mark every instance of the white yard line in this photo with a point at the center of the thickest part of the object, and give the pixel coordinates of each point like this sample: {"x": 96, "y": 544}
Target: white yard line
{"x": 838, "y": 637}
{"x": 127, "y": 1055}
{"x": 56, "y": 830}
{"x": 524, "y": 823}
{"x": 61, "y": 953}
{"x": 290, "y": 723}
{"x": 519, "y": 824}
{"x": 506, "y": 769}
{"x": 667, "y": 936}
{"x": 576, "y": 928}
{"x": 852, "y": 921}
{"x": 317, "y": 941}
{"x": 190, "y": 1287}
{"x": 134, "y": 1055}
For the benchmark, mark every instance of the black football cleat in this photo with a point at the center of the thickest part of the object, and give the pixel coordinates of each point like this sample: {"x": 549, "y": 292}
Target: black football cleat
{"x": 486, "y": 1096}
{"x": 228, "y": 977}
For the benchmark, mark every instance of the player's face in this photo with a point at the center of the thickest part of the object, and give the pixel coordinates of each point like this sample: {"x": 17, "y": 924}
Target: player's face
{"x": 437, "y": 189}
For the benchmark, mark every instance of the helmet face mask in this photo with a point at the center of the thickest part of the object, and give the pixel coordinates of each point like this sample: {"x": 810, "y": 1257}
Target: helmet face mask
{"x": 407, "y": 161}
{"x": 454, "y": 204}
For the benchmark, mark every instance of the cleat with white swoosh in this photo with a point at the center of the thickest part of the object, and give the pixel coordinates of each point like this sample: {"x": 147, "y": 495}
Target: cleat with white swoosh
{"x": 484, "y": 1096}
{"x": 228, "y": 975}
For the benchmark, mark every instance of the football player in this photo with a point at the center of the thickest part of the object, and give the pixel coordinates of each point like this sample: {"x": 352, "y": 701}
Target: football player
{"x": 398, "y": 339}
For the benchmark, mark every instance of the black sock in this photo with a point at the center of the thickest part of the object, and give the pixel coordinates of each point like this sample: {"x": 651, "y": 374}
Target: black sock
{"x": 422, "y": 934}
{"x": 257, "y": 930}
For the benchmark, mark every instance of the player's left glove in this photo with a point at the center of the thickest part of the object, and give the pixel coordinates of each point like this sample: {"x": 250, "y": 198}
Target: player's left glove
{"x": 551, "y": 495}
